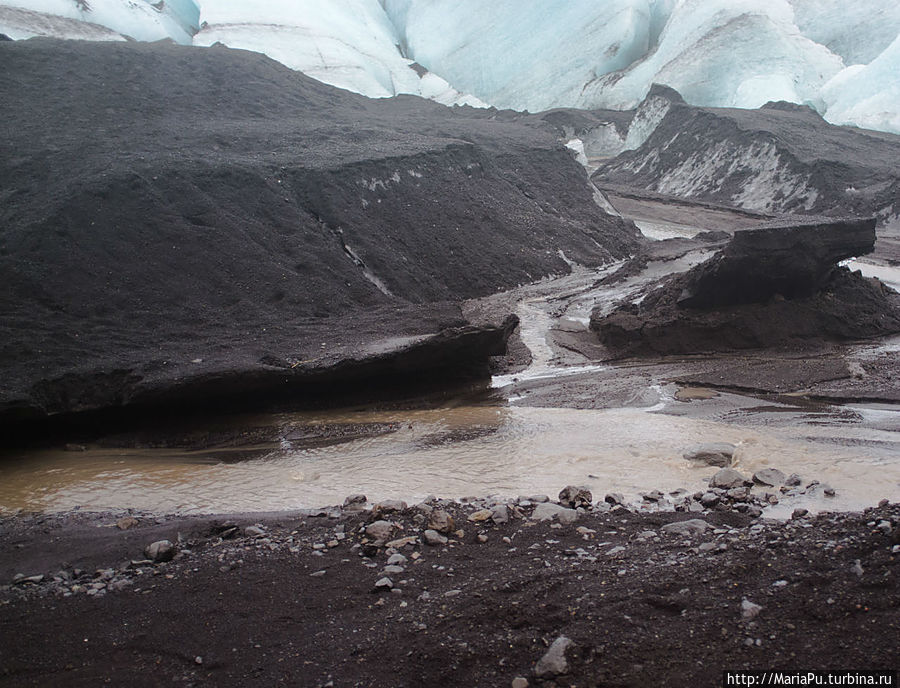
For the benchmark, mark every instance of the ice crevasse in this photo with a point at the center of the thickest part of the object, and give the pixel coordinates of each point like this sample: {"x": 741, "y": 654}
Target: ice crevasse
{"x": 841, "y": 58}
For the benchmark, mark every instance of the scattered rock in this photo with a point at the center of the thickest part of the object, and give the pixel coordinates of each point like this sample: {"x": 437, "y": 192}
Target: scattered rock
{"x": 380, "y": 531}
{"x": 441, "y": 521}
{"x": 548, "y": 510}
{"x": 254, "y": 531}
{"x": 727, "y": 478}
{"x": 709, "y": 499}
{"x": 160, "y": 551}
{"x": 712, "y": 453}
{"x": 399, "y": 543}
{"x": 799, "y": 513}
{"x": 432, "y": 537}
{"x": 689, "y": 528}
{"x": 770, "y": 477}
{"x": 574, "y": 497}
{"x": 614, "y": 498}
{"x": 355, "y": 502}
{"x": 126, "y": 523}
{"x": 519, "y": 682}
{"x": 749, "y": 610}
{"x": 538, "y": 499}
{"x": 554, "y": 662}
{"x": 384, "y": 583}
{"x": 480, "y": 515}
{"x": 793, "y": 480}
{"x": 500, "y": 514}
{"x": 389, "y": 506}
{"x": 857, "y": 568}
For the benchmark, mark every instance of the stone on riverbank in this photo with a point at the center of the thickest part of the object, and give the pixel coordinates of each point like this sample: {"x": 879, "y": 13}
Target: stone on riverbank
{"x": 160, "y": 551}
{"x": 574, "y": 497}
{"x": 548, "y": 511}
{"x": 380, "y": 531}
{"x": 770, "y": 477}
{"x": 689, "y": 528}
{"x": 712, "y": 453}
{"x": 727, "y": 478}
{"x": 433, "y": 538}
{"x": 441, "y": 521}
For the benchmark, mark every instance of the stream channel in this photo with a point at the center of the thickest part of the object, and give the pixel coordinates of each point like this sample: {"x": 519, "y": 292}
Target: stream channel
{"x": 494, "y": 439}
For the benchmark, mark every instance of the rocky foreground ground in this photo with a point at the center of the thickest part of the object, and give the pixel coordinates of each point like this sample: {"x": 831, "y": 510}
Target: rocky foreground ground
{"x": 451, "y": 593}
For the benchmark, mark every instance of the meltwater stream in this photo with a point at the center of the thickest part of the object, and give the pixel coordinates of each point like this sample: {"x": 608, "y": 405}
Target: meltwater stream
{"x": 474, "y": 447}
{"x": 452, "y": 452}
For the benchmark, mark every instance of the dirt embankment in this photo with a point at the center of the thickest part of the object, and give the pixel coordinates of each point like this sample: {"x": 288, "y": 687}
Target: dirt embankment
{"x": 172, "y": 214}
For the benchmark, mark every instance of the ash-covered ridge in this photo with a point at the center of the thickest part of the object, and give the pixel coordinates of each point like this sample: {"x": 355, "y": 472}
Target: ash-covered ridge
{"x": 781, "y": 158}
{"x": 168, "y": 212}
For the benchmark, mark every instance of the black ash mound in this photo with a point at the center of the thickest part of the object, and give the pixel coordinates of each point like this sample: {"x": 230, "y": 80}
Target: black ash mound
{"x": 171, "y": 213}
{"x": 771, "y": 285}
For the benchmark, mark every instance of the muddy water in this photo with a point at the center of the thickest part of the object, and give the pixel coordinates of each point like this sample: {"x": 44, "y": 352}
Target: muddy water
{"x": 455, "y": 452}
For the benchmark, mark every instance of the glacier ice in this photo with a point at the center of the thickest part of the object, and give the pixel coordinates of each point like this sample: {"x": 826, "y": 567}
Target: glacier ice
{"x": 728, "y": 53}
{"x": 857, "y": 31}
{"x": 525, "y": 56}
{"x": 867, "y": 95}
{"x": 19, "y": 24}
{"x": 346, "y": 43}
{"x": 839, "y": 57}
{"x": 138, "y": 19}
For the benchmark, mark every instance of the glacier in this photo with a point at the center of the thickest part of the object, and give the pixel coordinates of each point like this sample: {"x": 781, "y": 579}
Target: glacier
{"x": 137, "y": 19}
{"x": 345, "y": 43}
{"x": 839, "y": 58}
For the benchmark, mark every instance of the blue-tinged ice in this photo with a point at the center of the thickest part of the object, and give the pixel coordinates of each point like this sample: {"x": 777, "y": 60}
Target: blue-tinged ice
{"x": 347, "y": 43}
{"x": 867, "y": 95}
{"x": 138, "y": 19}
{"x": 839, "y": 57}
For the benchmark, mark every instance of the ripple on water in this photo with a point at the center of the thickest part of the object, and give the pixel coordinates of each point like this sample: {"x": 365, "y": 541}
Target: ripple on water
{"x": 468, "y": 450}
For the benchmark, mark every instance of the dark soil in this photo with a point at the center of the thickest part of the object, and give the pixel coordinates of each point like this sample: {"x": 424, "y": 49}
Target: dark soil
{"x": 248, "y": 611}
{"x": 161, "y": 205}
{"x": 848, "y": 307}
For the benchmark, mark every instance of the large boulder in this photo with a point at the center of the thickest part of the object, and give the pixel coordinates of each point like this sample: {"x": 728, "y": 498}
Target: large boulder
{"x": 712, "y": 453}
{"x": 772, "y": 285}
{"x": 790, "y": 257}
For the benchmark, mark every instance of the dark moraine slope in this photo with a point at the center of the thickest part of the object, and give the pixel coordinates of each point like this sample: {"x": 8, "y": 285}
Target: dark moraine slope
{"x": 781, "y": 158}
{"x": 176, "y": 219}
